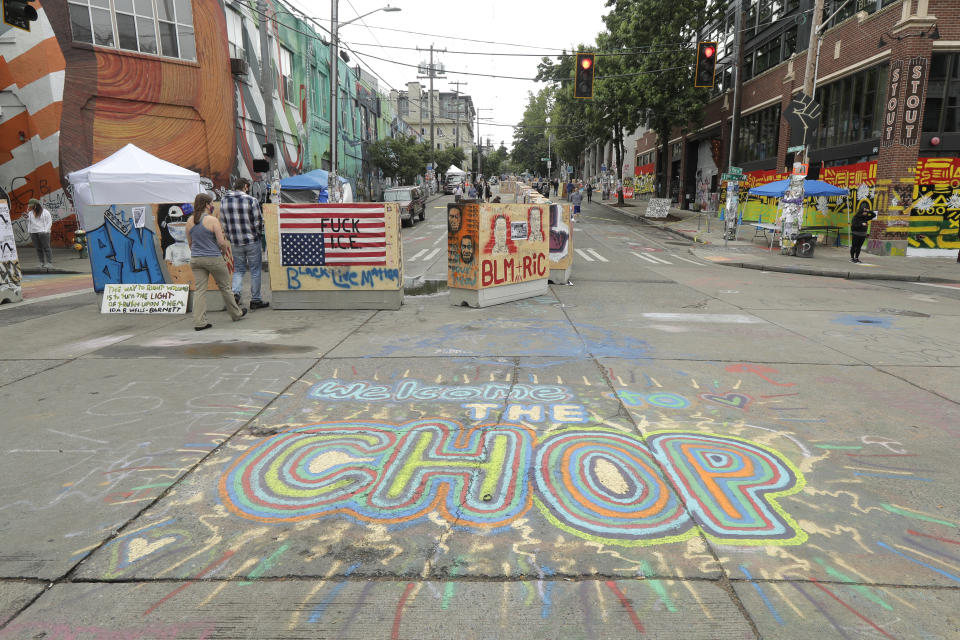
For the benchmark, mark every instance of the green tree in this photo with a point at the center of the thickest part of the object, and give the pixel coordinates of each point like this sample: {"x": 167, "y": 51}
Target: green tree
{"x": 529, "y": 137}
{"x": 398, "y": 158}
{"x": 495, "y": 162}
{"x": 662, "y": 61}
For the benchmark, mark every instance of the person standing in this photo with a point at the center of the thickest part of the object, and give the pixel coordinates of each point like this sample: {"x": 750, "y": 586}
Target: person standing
{"x": 576, "y": 199}
{"x": 242, "y": 222}
{"x": 458, "y": 193}
{"x": 589, "y": 192}
{"x": 208, "y": 250}
{"x": 486, "y": 191}
{"x": 39, "y": 223}
{"x": 859, "y": 231}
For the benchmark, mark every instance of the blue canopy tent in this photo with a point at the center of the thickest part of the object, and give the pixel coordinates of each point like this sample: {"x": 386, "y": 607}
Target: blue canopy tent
{"x": 315, "y": 180}
{"x": 811, "y": 188}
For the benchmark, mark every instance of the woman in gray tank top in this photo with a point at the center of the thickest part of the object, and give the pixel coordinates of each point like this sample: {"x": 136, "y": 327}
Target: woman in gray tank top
{"x": 208, "y": 251}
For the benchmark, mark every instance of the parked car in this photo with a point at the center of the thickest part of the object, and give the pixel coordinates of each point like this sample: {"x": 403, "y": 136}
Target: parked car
{"x": 412, "y": 203}
{"x": 451, "y": 184}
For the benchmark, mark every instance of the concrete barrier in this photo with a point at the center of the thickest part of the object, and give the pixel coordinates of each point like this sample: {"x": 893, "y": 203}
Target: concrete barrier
{"x": 142, "y": 244}
{"x": 335, "y": 256}
{"x": 496, "y": 253}
{"x": 10, "y": 274}
{"x": 561, "y": 244}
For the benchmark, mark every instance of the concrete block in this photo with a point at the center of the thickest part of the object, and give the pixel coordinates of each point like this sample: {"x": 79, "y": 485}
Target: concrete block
{"x": 357, "y": 299}
{"x": 498, "y": 295}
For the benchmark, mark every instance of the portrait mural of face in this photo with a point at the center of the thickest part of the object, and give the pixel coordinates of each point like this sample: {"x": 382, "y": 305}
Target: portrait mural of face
{"x": 467, "y": 249}
{"x": 454, "y": 219}
{"x": 535, "y": 217}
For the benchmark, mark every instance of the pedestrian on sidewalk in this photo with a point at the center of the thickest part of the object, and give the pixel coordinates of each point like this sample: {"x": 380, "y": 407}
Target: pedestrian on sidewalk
{"x": 858, "y": 230}
{"x": 458, "y": 193}
{"x": 486, "y": 191}
{"x": 242, "y": 222}
{"x": 208, "y": 251}
{"x": 39, "y": 223}
{"x": 589, "y": 192}
{"x": 576, "y": 199}
{"x": 472, "y": 192}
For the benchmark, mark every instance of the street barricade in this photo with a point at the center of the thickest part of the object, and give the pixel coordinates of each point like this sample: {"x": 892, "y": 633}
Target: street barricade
{"x": 496, "y": 253}
{"x": 334, "y": 256}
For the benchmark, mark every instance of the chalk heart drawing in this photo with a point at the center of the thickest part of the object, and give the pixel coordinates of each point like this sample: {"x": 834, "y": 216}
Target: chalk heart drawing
{"x": 139, "y": 547}
{"x": 596, "y": 483}
{"x": 730, "y": 399}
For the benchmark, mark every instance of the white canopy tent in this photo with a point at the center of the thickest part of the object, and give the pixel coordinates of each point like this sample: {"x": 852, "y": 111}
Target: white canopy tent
{"x": 454, "y": 169}
{"x": 132, "y": 175}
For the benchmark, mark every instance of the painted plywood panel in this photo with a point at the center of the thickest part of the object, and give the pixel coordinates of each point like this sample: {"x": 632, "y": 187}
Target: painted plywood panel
{"x": 513, "y": 245}
{"x": 122, "y": 245}
{"x": 463, "y": 223}
{"x": 561, "y": 237}
{"x": 319, "y": 257}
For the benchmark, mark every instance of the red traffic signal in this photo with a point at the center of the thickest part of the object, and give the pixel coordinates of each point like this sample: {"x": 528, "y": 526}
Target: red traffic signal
{"x": 706, "y": 64}
{"x": 583, "y": 80}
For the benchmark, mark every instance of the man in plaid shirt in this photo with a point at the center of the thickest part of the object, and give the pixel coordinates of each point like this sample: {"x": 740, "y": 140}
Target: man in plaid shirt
{"x": 242, "y": 222}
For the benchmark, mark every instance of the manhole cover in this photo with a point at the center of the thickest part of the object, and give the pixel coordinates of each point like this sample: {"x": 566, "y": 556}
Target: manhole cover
{"x": 905, "y": 312}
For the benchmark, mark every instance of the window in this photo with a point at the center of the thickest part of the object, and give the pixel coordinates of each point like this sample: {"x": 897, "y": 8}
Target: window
{"x": 759, "y": 134}
{"x": 852, "y": 108}
{"x": 156, "y": 27}
{"x": 286, "y": 74}
{"x": 235, "y": 33}
{"x": 942, "y": 108}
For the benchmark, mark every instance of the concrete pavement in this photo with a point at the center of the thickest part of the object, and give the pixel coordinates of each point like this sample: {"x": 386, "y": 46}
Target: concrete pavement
{"x": 748, "y": 252}
{"x": 665, "y": 449}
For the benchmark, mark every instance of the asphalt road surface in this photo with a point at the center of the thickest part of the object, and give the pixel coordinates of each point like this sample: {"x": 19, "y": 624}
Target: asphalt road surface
{"x": 664, "y": 448}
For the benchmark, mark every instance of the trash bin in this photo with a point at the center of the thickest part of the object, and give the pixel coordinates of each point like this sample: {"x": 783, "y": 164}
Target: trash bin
{"x": 805, "y": 244}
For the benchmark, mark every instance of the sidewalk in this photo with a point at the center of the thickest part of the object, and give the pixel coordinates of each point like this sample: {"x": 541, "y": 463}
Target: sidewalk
{"x": 64, "y": 261}
{"x": 748, "y": 252}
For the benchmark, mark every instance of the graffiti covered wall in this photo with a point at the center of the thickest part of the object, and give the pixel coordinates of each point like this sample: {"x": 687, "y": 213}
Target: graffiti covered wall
{"x": 935, "y": 215}
{"x": 31, "y": 100}
{"x": 513, "y": 243}
{"x": 122, "y": 243}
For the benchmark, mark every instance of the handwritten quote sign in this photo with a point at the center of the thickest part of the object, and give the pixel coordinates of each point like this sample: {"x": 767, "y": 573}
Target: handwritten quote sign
{"x": 145, "y": 298}
{"x": 658, "y": 208}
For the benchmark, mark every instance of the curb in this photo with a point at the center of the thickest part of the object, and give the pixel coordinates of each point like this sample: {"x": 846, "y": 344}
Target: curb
{"x": 846, "y": 275}
{"x": 662, "y": 227}
{"x": 37, "y": 271}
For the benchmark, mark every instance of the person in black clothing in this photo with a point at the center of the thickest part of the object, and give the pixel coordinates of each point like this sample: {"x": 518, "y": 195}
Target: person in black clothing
{"x": 589, "y": 192}
{"x": 486, "y": 191}
{"x": 858, "y": 230}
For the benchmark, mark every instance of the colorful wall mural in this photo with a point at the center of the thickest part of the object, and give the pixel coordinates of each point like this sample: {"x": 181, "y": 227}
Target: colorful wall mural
{"x": 935, "y": 215}
{"x": 31, "y": 99}
{"x": 121, "y": 240}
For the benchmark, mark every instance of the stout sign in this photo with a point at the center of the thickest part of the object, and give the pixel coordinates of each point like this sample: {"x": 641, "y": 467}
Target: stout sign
{"x": 892, "y": 108}
{"x": 916, "y": 84}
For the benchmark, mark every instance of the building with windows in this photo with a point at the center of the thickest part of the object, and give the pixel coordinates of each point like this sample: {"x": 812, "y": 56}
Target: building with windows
{"x": 453, "y": 117}
{"x": 888, "y": 82}
{"x": 180, "y": 79}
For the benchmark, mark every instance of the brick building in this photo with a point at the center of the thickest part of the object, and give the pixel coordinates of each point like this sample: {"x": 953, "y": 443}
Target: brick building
{"x": 888, "y": 81}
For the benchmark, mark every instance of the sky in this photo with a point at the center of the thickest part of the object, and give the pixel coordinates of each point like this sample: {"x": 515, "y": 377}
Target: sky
{"x": 508, "y": 26}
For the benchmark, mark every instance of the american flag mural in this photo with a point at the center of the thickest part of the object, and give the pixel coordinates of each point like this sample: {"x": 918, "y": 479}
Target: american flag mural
{"x": 333, "y": 235}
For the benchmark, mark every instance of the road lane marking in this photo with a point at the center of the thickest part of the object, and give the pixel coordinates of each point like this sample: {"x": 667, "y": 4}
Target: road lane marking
{"x": 940, "y": 286}
{"x": 417, "y": 255}
{"x": 719, "y": 318}
{"x": 643, "y": 257}
{"x": 583, "y": 255}
{"x": 441, "y": 238}
{"x": 658, "y": 259}
{"x": 699, "y": 264}
{"x": 430, "y": 255}
{"x": 598, "y": 256}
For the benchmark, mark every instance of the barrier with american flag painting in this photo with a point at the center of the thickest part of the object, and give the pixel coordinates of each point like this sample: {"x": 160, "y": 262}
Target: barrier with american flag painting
{"x": 334, "y": 246}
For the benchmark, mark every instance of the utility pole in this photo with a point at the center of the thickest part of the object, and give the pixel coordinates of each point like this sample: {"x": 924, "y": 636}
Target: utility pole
{"x": 457, "y": 94}
{"x": 431, "y": 73}
{"x": 480, "y": 143}
{"x": 266, "y": 80}
{"x": 735, "y": 79}
{"x": 809, "y": 71}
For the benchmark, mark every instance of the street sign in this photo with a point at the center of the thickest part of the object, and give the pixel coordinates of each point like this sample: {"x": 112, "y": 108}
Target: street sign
{"x": 795, "y": 149}
{"x": 603, "y": 168}
{"x": 545, "y": 159}
{"x": 733, "y": 177}
{"x": 736, "y": 170}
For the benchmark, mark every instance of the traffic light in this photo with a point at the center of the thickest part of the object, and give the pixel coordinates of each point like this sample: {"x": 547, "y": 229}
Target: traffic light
{"x": 706, "y": 64}
{"x": 17, "y": 13}
{"x": 583, "y": 81}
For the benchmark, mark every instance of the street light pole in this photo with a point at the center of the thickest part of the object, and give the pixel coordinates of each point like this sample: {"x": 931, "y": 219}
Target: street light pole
{"x": 333, "y": 181}
{"x": 549, "y": 155}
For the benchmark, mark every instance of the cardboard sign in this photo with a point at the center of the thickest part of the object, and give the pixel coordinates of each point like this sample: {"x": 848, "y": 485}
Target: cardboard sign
{"x": 657, "y": 208}
{"x": 145, "y": 298}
